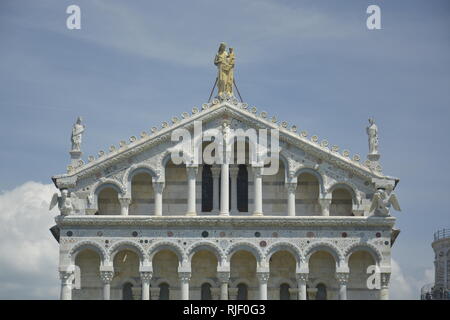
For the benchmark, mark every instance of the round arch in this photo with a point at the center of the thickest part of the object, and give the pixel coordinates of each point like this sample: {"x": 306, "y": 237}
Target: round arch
{"x": 88, "y": 245}
{"x": 285, "y": 246}
{"x": 167, "y": 245}
{"x": 372, "y": 250}
{"x": 127, "y": 245}
{"x": 324, "y": 246}
{"x": 346, "y": 186}
{"x": 315, "y": 173}
{"x": 208, "y": 246}
{"x": 108, "y": 183}
{"x": 245, "y": 246}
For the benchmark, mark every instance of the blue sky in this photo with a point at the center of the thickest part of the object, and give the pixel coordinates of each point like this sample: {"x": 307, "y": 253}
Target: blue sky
{"x": 315, "y": 64}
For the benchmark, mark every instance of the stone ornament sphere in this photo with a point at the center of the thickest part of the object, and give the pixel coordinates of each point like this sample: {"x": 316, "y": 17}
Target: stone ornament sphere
{"x": 112, "y": 148}
{"x": 143, "y": 134}
{"x": 174, "y": 120}
{"x": 91, "y": 158}
{"x": 284, "y": 124}
{"x": 274, "y": 119}
{"x": 185, "y": 115}
{"x": 356, "y": 157}
{"x": 304, "y": 134}
{"x": 346, "y": 153}
{"x": 324, "y": 143}
{"x": 335, "y": 148}
{"x": 165, "y": 124}
{"x": 294, "y": 128}
{"x": 263, "y": 114}
{"x": 215, "y": 101}
{"x": 254, "y": 110}
{"x": 314, "y": 138}
{"x": 204, "y": 106}
{"x": 133, "y": 139}
{"x": 122, "y": 143}
{"x": 194, "y": 110}
{"x": 101, "y": 153}
{"x": 154, "y": 129}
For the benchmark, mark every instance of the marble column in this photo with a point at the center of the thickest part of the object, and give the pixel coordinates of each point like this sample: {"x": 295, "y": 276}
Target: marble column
{"x": 257, "y": 191}
{"x": 223, "y": 277}
{"x": 291, "y": 188}
{"x": 215, "y": 175}
{"x": 145, "y": 279}
{"x": 106, "y": 277}
{"x": 325, "y": 206}
{"x": 224, "y": 200}
{"x": 66, "y": 284}
{"x": 124, "y": 205}
{"x": 184, "y": 283}
{"x": 263, "y": 278}
{"x": 158, "y": 188}
{"x": 302, "y": 278}
{"x": 233, "y": 175}
{"x": 384, "y": 290}
{"x": 191, "y": 176}
{"x": 342, "y": 278}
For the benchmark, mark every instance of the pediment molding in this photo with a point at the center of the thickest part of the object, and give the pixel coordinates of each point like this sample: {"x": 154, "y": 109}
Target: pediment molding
{"x": 225, "y": 109}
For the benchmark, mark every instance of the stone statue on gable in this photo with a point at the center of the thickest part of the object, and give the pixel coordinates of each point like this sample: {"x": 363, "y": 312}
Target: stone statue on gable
{"x": 77, "y": 133}
{"x": 382, "y": 201}
{"x": 66, "y": 203}
{"x": 372, "y": 132}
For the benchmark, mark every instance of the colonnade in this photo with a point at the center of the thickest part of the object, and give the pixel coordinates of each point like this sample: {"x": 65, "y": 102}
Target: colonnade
{"x": 223, "y": 277}
{"x": 226, "y": 173}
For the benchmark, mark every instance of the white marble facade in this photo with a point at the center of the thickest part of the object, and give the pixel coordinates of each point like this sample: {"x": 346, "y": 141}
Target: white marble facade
{"x": 138, "y": 231}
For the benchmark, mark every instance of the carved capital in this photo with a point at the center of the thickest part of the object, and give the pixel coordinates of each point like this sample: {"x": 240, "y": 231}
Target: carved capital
{"x": 184, "y": 276}
{"x": 124, "y": 202}
{"x": 302, "y": 277}
{"x": 223, "y": 276}
{"x": 215, "y": 172}
{"x": 234, "y": 171}
{"x": 192, "y": 172}
{"x": 158, "y": 187}
{"x": 146, "y": 276}
{"x": 257, "y": 172}
{"x": 291, "y": 186}
{"x": 342, "y": 278}
{"x": 106, "y": 276}
{"x": 66, "y": 277}
{"x": 263, "y": 277}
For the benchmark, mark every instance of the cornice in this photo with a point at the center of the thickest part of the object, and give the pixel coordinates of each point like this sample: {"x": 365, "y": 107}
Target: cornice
{"x": 232, "y": 222}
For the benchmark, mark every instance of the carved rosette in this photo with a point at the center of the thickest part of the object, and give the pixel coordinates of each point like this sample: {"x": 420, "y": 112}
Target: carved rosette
{"x": 342, "y": 278}
{"x": 106, "y": 276}
{"x": 263, "y": 277}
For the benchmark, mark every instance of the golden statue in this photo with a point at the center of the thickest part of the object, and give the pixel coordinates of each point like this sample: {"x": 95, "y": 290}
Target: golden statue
{"x": 225, "y": 65}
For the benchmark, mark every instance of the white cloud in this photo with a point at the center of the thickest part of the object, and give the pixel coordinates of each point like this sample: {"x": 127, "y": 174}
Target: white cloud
{"x": 406, "y": 287}
{"x": 28, "y": 251}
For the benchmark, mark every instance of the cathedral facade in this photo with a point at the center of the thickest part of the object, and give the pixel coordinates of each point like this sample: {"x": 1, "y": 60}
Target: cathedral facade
{"x": 135, "y": 223}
